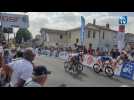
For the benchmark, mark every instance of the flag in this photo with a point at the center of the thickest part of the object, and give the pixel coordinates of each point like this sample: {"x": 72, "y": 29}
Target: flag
{"x": 121, "y": 40}
{"x": 82, "y": 32}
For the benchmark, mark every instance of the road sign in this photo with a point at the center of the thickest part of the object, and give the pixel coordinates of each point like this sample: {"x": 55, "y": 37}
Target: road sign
{"x": 14, "y": 20}
{"x": 123, "y": 20}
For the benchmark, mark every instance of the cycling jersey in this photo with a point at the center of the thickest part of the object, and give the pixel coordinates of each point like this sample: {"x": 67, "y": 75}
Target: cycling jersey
{"x": 104, "y": 58}
{"x": 76, "y": 56}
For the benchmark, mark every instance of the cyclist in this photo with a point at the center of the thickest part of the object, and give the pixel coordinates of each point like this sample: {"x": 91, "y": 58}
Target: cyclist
{"x": 103, "y": 58}
{"x": 76, "y": 56}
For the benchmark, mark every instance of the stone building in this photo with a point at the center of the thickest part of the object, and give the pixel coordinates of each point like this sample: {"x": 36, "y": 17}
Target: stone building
{"x": 98, "y": 36}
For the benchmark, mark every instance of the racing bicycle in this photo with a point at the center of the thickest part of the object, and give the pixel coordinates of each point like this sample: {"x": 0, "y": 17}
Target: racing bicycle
{"x": 104, "y": 67}
{"x": 73, "y": 66}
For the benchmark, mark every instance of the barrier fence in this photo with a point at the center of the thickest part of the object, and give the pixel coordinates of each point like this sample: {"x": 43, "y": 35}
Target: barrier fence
{"x": 125, "y": 70}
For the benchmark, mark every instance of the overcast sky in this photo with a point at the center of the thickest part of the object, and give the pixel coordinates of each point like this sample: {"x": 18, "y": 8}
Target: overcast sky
{"x": 69, "y": 20}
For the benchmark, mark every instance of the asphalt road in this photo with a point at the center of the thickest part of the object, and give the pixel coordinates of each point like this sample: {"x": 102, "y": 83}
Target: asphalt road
{"x": 86, "y": 79}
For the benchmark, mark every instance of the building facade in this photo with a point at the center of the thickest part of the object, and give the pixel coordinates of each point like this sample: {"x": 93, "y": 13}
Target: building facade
{"x": 98, "y": 36}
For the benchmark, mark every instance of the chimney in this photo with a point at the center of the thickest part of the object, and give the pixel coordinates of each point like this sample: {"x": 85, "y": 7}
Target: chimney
{"x": 107, "y": 26}
{"x": 94, "y": 21}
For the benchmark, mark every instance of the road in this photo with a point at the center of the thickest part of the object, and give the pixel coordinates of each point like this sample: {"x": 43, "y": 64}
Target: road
{"x": 86, "y": 79}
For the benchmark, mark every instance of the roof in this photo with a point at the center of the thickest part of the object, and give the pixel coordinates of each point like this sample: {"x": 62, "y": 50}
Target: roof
{"x": 89, "y": 24}
{"x": 101, "y": 27}
{"x": 47, "y": 29}
{"x": 129, "y": 33}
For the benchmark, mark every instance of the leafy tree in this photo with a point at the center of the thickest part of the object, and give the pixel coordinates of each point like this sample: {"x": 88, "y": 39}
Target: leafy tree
{"x": 23, "y": 35}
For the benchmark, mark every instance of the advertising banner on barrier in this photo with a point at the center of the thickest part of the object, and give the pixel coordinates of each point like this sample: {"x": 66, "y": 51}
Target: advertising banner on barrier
{"x": 127, "y": 71}
{"x": 47, "y": 52}
{"x": 89, "y": 60}
{"x": 63, "y": 55}
{"x": 117, "y": 70}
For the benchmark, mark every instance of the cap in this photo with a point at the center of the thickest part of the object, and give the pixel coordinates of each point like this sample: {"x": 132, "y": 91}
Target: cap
{"x": 40, "y": 70}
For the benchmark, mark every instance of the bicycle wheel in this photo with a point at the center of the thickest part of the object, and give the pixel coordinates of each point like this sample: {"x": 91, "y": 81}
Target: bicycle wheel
{"x": 109, "y": 71}
{"x": 97, "y": 68}
{"x": 66, "y": 66}
{"x": 74, "y": 68}
{"x": 79, "y": 67}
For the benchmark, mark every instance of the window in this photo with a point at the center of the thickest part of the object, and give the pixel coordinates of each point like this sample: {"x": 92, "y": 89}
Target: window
{"x": 70, "y": 35}
{"x": 77, "y": 40}
{"x": 94, "y": 33}
{"x": 103, "y": 35}
{"x": 61, "y": 36}
{"x": 89, "y": 34}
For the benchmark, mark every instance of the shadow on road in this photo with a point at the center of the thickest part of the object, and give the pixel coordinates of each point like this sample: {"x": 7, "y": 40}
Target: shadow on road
{"x": 83, "y": 74}
{"x": 75, "y": 76}
{"x": 63, "y": 85}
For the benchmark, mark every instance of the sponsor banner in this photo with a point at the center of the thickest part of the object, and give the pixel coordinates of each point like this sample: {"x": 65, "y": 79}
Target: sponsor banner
{"x": 82, "y": 32}
{"x": 14, "y": 20}
{"x": 63, "y": 55}
{"x": 89, "y": 60}
{"x": 127, "y": 71}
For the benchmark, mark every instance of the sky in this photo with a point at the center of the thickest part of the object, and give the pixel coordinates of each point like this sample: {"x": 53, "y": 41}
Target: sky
{"x": 69, "y": 20}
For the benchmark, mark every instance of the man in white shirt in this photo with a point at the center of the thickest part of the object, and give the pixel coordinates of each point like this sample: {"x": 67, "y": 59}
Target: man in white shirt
{"x": 22, "y": 69}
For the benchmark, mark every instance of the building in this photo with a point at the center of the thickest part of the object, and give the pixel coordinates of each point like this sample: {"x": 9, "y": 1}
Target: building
{"x": 129, "y": 40}
{"x": 53, "y": 37}
{"x": 38, "y": 41}
{"x": 98, "y": 36}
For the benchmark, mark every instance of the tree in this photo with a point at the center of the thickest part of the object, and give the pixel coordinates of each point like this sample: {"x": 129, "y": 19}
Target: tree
{"x": 23, "y": 35}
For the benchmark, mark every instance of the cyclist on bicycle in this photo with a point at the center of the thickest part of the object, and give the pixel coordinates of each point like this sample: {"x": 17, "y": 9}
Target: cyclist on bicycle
{"x": 77, "y": 55}
{"x": 104, "y": 58}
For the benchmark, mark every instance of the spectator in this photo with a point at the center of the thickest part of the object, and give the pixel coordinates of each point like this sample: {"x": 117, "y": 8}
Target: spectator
{"x": 5, "y": 73}
{"x": 18, "y": 56}
{"x": 5, "y": 76}
{"x": 7, "y": 57}
{"x": 98, "y": 53}
{"x": 85, "y": 50}
{"x": 39, "y": 77}
{"x": 114, "y": 53}
{"x": 22, "y": 69}
{"x": 13, "y": 53}
{"x": 90, "y": 50}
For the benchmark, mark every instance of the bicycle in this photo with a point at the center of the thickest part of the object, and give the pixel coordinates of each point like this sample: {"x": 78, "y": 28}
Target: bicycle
{"x": 106, "y": 66}
{"x": 73, "y": 66}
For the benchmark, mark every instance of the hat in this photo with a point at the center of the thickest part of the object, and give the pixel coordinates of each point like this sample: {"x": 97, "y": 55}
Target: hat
{"x": 40, "y": 70}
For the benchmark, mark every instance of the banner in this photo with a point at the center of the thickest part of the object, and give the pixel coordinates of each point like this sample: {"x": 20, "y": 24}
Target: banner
{"x": 127, "y": 71}
{"x": 14, "y": 20}
{"x": 89, "y": 60}
{"x": 82, "y": 32}
{"x": 63, "y": 55}
{"x": 121, "y": 40}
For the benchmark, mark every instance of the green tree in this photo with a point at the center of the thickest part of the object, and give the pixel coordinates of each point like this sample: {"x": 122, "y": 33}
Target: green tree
{"x": 23, "y": 35}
